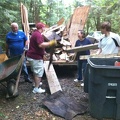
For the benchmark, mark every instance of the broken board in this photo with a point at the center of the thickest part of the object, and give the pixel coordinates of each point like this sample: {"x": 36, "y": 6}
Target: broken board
{"x": 83, "y": 57}
{"x": 83, "y": 48}
{"x": 53, "y": 81}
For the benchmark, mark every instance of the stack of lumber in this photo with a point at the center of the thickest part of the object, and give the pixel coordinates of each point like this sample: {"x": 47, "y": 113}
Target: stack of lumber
{"x": 67, "y": 34}
{"x": 64, "y": 32}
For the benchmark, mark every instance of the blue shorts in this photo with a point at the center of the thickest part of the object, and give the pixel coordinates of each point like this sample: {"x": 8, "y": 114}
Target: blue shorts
{"x": 37, "y": 66}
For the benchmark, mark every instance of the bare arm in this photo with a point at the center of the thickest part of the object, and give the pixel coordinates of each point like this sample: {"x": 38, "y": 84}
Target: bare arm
{"x": 44, "y": 45}
{"x": 27, "y": 42}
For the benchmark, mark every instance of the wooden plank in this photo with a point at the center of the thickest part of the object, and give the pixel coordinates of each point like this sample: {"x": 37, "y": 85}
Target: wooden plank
{"x": 78, "y": 22}
{"x": 53, "y": 28}
{"x": 21, "y": 11}
{"x": 53, "y": 81}
{"x": 83, "y": 57}
{"x": 51, "y": 35}
{"x": 83, "y": 48}
{"x": 25, "y": 23}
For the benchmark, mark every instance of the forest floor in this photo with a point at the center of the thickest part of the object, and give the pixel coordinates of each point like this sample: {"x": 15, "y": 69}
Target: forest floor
{"x": 29, "y": 106}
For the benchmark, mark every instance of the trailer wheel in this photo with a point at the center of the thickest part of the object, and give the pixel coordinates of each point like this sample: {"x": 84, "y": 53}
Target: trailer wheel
{"x": 11, "y": 88}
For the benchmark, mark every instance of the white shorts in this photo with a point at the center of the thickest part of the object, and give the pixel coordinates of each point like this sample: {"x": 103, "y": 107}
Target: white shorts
{"x": 37, "y": 66}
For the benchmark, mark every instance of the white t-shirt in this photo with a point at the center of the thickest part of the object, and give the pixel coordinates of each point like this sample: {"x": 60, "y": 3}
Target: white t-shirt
{"x": 107, "y": 44}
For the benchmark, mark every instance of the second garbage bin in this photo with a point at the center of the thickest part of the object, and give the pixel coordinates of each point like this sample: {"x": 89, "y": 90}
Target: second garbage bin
{"x": 104, "y": 88}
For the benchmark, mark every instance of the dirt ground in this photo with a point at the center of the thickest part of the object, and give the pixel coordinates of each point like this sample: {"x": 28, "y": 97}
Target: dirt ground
{"x": 28, "y": 106}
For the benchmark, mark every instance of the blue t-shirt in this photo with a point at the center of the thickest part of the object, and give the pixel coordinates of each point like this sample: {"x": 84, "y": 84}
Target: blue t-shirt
{"x": 16, "y": 42}
{"x": 82, "y": 43}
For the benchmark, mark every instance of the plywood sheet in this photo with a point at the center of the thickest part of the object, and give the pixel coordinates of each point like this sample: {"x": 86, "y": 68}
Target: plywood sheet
{"x": 53, "y": 81}
{"x": 78, "y": 22}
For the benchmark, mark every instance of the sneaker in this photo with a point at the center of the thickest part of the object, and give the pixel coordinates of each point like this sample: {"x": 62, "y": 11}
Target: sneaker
{"x": 39, "y": 84}
{"x": 38, "y": 90}
{"x": 76, "y": 80}
{"x": 81, "y": 80}
{"x": 82, "y": 84}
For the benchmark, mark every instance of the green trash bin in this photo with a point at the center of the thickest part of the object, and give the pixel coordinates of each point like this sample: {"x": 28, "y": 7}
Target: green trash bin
{"x": 104, "y": 88}
{"x": 86, "y": 79}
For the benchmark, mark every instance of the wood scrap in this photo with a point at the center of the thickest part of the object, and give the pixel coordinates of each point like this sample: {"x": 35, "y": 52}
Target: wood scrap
{"x": 65, "y": 42}
{"x": 66, "y": 34}
{"x": 83, "y": 57}
{"x": 51, "y": 35}
{"x": 83, "y": 48}
{"x": 53, "y": 28}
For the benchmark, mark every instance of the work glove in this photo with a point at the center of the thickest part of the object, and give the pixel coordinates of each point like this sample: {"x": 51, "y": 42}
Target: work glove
{"x": 53, "y": 43}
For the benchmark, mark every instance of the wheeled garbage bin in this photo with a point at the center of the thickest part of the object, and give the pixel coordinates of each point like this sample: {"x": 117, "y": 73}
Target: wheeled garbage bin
{"x": 86, "y": 79}
{"x": 104, "y": 88}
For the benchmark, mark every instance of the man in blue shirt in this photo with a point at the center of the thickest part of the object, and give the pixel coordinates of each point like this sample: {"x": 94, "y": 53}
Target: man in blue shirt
{"x": 15, "y": 42}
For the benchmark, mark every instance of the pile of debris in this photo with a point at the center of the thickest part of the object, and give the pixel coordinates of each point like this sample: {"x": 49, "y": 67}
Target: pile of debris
{"x": 66, "y": 33}
{"x": 57, "y": 32}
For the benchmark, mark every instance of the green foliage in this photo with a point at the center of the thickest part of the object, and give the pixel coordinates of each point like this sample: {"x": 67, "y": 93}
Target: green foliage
{"x": 51, "y": 11}
{"x": 10, "y": 12}
{"x": 104, "y": 10}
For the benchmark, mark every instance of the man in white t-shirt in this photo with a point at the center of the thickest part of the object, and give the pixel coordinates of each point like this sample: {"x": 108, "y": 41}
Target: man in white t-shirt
{"x": 110, "y": 42}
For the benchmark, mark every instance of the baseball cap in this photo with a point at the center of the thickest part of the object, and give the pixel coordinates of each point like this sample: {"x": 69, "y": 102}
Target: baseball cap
{"x": 40, "y": 25}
